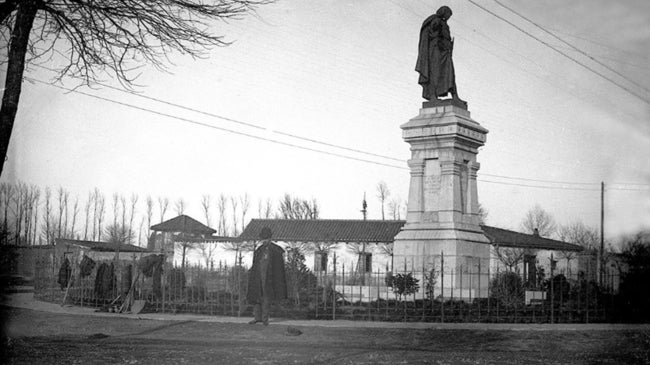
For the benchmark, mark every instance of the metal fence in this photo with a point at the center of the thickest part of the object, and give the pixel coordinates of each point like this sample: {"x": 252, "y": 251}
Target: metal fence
{"x": 345, "y": 293}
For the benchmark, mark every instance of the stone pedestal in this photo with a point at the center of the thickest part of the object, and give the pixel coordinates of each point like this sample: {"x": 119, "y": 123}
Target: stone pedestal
{"x": 442, "y": 225}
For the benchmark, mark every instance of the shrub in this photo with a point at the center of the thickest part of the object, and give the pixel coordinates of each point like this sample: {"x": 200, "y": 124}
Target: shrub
{"x": 507, "y": 287}
{"x": 405, "y": 284}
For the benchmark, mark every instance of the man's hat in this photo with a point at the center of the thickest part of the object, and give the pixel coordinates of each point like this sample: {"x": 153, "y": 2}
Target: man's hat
{"x": 266, "y": 233}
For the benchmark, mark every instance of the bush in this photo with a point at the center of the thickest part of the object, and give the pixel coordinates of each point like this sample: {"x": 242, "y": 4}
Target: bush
{"x": 405, "y": 284}
{"x": 507, "y": 288}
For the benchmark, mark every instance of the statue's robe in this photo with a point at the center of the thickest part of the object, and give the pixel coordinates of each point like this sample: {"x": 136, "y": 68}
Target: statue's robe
{"x": 267, "y": 276}
{"x": 434, "y": 62}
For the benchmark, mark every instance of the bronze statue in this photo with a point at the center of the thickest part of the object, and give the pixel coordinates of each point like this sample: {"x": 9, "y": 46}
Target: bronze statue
{"x": 434, "y": 63}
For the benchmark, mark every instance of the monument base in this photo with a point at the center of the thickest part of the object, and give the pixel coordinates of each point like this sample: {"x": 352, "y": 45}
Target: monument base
{"x": 455, "y": 263}
{"x": 442, "y": 243}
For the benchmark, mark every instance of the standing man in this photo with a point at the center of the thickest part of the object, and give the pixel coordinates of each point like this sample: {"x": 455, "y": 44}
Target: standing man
{"x": 266, "y": 278}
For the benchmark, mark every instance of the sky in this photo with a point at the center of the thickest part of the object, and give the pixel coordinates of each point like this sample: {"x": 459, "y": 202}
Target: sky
{"x": 342, "y": 73}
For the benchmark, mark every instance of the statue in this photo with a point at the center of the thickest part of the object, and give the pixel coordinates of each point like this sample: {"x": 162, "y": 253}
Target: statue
{"x": 434, "y": 63}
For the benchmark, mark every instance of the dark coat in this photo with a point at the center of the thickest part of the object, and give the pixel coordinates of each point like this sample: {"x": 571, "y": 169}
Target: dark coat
{"x": 268, "y": 255}
{"x": 434, "y": 63}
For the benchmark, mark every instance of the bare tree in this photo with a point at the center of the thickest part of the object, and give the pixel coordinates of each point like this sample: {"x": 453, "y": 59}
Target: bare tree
{"x": 132, "y": 205}
{"x": 89, "y": 203}
{"x": 95, "y": 211}
{"x": 48, "y": 215}
{"x": 36, "y": 203}
{"x": 234, "y": 204}
{"x": 482, "y": 214}
{"x": 179, "y": 206}
{"x": 90, "y": 39}
{"x": 580, "y": 234}
{"x": 387, "y": 249}
{"x": 222, "y": 204}
{"x": 19, "y": 210}
{"x": 296, "y": 208}
{"x": 116, "y": 211}
{"x": 245, "y": 205}
{"x": 207, "y": 251}
{"x": 75, "y": 212}
{"x": 101, "y": 210}
{"x": 540, "y": 220}
{"x": 510, "y": 257}
{"x": 118, "y": 234}
{"x": 205, "y": 204}
{"x": 60, "y": 200}
{"x": 163, "y": 204}
{"x": 395, "y": 207}
{"x": 382, "y": 194}
{"x": 7, "y": 197}
{"x": 140, "y": 231}
{"x": 149, "y": 203}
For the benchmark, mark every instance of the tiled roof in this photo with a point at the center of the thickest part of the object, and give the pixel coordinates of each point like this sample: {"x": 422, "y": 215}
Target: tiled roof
{"x": 343, "y": 230}
{"x": 324, "y": 230}
{"x": 101, "y": 246}
{"x": 184, "y": 224}
{"x": 507, "y": 238}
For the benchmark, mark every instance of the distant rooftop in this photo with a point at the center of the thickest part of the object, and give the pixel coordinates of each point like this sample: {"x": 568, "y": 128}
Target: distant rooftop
{"x": 101, "y": 246}
{"x": 507, "y": 238}
{"x": 380, "y": 231}
{"x": 324, "y": 230}
{"x": 183, "y": 224}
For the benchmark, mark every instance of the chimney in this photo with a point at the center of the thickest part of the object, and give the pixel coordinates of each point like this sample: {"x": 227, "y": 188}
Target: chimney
{"x": 536, "y": 232}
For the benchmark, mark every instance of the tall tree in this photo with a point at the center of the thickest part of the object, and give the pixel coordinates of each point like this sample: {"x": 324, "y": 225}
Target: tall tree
{"x": 92, "y": 39}
{"x": 538, "y": 219}
{"x": 149, "y": 203}
{"x": 89, "y": 203}
{"x": 179, "y": 206}
{"x": 222, "y": 204}
{"x": 48, "y": 215}
{"x": 206, "y": 205}
{"x": 580, "y": 234}
{"x": 163, "y": 204}
{"x": 382, "y": 194}
{"x": 75, "y": 212}
{"x": 296, "y": 208}
{"x": 245, "y": 205}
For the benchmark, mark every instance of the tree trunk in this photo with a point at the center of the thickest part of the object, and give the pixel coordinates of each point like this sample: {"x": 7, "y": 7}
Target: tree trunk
{"x": 25, "y": 15}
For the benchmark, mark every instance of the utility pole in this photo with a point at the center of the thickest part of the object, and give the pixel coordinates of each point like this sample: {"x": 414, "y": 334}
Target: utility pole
{"x": 364, "y": 207}
{"x": 601, "y": 260}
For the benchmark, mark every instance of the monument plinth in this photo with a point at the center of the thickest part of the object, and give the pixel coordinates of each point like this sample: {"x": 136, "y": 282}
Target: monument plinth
{"x": 442, "y": 224}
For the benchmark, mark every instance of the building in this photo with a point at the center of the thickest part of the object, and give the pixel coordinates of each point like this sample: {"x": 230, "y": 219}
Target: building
{"x": 365, "y": 248}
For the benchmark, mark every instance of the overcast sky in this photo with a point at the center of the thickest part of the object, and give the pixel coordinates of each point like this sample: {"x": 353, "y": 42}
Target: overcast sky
{"x": 342, "y": 72}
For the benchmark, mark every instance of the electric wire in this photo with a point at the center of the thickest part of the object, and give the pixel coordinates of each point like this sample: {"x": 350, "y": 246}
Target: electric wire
{"x": 570, "y": 45}
{"x": 631, "y": 92}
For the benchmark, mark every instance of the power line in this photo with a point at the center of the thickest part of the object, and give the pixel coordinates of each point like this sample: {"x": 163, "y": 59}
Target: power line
{"x": 320, "y": 142}
{"x": 330, "y": 153}
{"x": 537, "y": 186}
{"x": 191, "y": 121}
{"x": 570, "y": 45}
{"x": 560, "y": 52}
{"x": 537, "y": 180}
{"x": 252, "y": 125}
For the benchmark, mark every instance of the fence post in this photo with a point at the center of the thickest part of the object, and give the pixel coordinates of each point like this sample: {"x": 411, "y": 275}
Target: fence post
{"x": 442, "y": 287}
{"x": 479, "y": 290}
{"x": 552, "y": 293}
{"x": 334, "y": 291}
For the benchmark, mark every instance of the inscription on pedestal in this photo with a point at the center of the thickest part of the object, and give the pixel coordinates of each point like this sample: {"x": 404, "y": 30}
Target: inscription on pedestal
{"x": 432, "y": 180}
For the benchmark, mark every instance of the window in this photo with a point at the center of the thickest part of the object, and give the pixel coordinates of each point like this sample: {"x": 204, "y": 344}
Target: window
{"x": 320, "y": 261}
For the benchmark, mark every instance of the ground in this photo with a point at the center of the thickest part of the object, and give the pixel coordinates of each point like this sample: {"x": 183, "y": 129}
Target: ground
{"x": 56, "y": 338}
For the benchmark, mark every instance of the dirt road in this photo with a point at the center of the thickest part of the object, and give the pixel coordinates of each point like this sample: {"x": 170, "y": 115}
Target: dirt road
{"x": 40, "y": 337}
